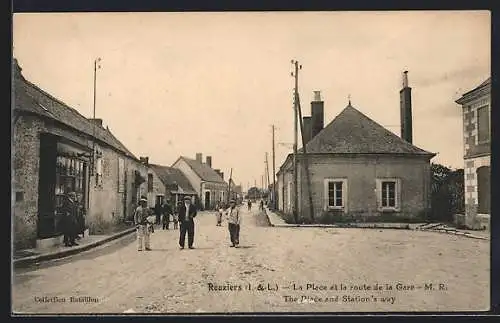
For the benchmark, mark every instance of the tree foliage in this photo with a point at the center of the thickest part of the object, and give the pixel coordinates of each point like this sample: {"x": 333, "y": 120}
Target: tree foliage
{"x": 447, "y": 192}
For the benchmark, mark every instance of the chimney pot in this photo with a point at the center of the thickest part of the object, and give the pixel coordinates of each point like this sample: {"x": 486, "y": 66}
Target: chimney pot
{"x": 209, "y": 161}
{"x": 97, "y": 121}
{"x": 405, "y": 79}
{"x": 317, "y": 115}
{"x": 406, "y": 110}
{"x": 199, "y": 157}
{"x": 317, "y": 95}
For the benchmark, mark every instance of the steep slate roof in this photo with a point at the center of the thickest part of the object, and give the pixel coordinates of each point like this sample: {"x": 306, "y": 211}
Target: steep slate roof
{"x": 30, "y": 98}
{"x": 203, "y": 170}
{"x": 171, "y": 175}
{"x": 351, "y": 132}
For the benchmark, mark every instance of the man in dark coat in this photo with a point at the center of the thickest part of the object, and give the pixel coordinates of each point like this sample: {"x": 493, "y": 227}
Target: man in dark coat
{"x": 187, "y": 212}
{"x": 69, "y": 220}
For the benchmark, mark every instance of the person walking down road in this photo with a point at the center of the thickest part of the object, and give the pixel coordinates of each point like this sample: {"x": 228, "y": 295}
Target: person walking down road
{"x": 220, "y": 211}
{"x": 187, "y": 212}
{"x": 234, "y": 221}
{"x": 140, "y": 220}
{"x": 175, "y": 219}
{"x": 158, "y": 212}
{"x": 69, "y": 220}
{"x": 249, "y": 205}
{"x": 166, "y": 211}
{"x": 262, "y": 205}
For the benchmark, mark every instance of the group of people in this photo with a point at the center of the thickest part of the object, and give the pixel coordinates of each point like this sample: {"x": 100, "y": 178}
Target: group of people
{"x": 72, "y": 222}
{"x": 184, "y": 213}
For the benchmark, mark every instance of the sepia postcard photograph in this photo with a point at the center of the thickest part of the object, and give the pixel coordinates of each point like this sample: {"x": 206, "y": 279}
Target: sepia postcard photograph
{"x": 250, "y": 162}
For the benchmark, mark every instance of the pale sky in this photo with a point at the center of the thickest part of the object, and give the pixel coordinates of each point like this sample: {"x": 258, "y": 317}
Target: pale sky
{"x": 176, "y": 84}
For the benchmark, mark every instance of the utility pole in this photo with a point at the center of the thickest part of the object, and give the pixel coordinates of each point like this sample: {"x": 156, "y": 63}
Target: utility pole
{"x": 274, "y": 175}
{"x": 295, "y": 140}
{"x": 267, "y": 172}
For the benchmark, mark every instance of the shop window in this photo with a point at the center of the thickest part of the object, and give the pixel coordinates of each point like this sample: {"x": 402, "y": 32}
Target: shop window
{"x": 70, "y": 177}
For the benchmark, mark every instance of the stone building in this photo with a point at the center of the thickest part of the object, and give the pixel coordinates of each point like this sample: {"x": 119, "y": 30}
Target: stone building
{"x": 476, "y": 112}
{"x": 52, "y": 153}
{"x": 173, "y": 182}
{"x": 208, "y": 183}
{"x": 357, "y": 167}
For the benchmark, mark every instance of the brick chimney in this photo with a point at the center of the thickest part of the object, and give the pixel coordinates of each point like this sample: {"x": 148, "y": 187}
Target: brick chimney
{"x": 405, "y": 110}
{"x": 317, "y": 114}
{"x": 97, "y": 121}
{"x": 144, "y": 160}
{"x": 199, "y": 158}
{"x": 209, "y": 161}
{"x": 306, "y": 122}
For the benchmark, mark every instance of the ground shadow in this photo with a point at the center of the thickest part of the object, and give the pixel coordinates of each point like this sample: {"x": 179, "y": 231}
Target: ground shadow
{"x": 20, "y": 279}
{"x": 89, "y": 254}
{"x": 245, "y": 247}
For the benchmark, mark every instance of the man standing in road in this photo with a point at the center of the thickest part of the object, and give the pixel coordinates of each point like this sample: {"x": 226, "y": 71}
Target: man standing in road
{"x": 140, "y": 220}
{"x": 234, "y": 221}
{"x": 187, "y": 212}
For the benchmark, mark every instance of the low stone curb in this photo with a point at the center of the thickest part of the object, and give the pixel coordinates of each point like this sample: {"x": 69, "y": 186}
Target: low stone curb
{"x": 26, "y": 261}
{"x": 401, "y": 226}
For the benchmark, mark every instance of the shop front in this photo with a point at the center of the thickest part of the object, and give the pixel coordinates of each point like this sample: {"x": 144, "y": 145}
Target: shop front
{"x": 64, "y": 168}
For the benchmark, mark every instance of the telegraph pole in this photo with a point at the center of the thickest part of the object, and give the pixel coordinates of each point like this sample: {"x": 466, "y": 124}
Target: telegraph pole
{"x": 274, "y": 175}
{"x": 295, "y": 140}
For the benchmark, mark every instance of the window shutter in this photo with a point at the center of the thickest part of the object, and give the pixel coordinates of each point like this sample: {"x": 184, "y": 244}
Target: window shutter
{"x": 325, "y": 195}
{"x": 398, "y": 193}
{"x": 378, "y": 192}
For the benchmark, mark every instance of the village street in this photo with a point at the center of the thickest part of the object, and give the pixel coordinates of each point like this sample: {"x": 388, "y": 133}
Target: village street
{"x": 169, "y": 280}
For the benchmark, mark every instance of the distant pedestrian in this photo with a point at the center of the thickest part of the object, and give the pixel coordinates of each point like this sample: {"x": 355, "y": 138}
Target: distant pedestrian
{"x": 141, "y": 221}
{"x": 249, "y": 203}
{"x": 262, "y": 205}
{"x": 220, "y": 211}
{"x": 175, "y": 219}
{"x": 158, "y": 212}
{"x": 234, "y": 222}
{"x": 187, "y": 213}
{"x": 166, "y": 213}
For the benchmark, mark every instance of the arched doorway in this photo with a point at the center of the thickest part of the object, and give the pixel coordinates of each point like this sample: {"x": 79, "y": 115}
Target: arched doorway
{"x": 483, "y": 189}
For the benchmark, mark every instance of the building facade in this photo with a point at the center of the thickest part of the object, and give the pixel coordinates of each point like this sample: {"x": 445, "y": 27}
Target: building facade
{"x": 175, "y": 185}
{"x": 476, "y": 113}
{"x": 355, "y": 166}
{"x": 56, "y": 150}
{"x": 208, "y": 183}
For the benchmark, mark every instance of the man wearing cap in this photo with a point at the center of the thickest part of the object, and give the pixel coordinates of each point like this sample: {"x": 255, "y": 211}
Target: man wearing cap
{"x": 187, "y": 213}
{"x": 140, "y": 220}
{"x": 234, "y": 221}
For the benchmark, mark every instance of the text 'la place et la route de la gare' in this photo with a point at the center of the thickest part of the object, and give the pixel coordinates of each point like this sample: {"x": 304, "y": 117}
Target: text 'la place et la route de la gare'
{"x": 347, "y": 288}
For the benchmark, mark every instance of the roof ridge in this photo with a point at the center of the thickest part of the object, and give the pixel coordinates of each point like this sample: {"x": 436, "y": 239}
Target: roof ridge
{"x": 64, "y": 105}
{"x": 351, "y": 114}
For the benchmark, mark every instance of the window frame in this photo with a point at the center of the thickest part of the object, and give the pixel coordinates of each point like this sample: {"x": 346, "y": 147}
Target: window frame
{"x": 345, "y": 190}
{"x": 485, "y": 106}
{"x": 397, "y": 194}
